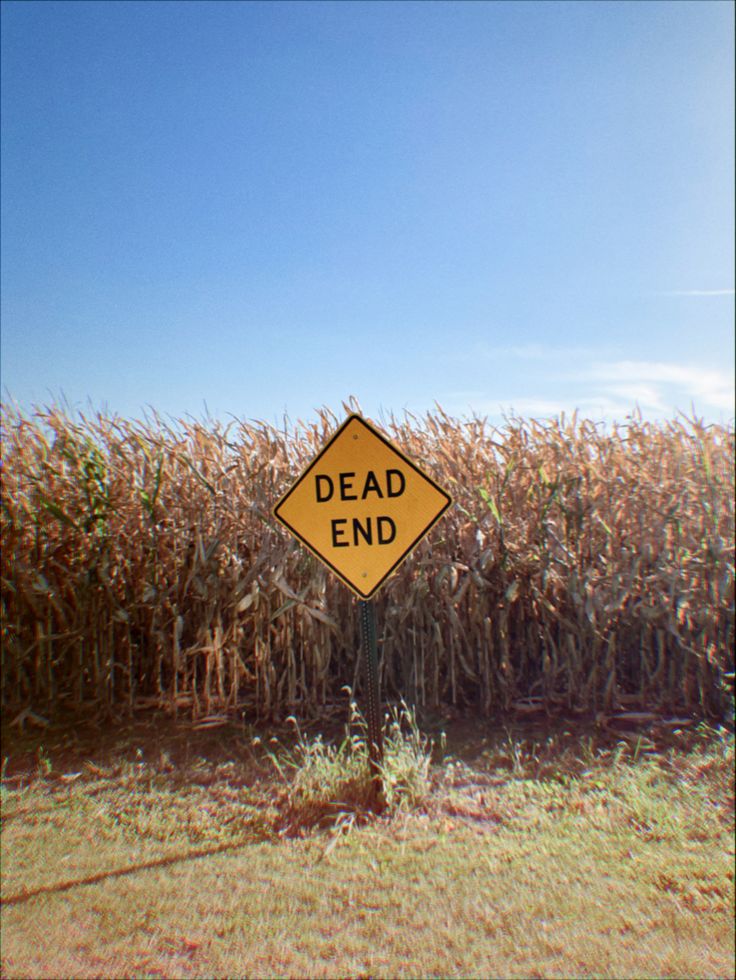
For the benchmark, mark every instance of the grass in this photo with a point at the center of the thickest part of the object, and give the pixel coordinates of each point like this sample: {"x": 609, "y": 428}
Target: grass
{"x": 324, "y": 781}
{"x": 171, "y": 854}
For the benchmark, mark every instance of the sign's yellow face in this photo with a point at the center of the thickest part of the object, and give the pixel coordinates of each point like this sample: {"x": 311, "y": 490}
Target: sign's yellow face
{"x": 361, "y": 506}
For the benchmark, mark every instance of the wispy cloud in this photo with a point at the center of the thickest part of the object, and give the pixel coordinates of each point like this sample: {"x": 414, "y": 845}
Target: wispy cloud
{"x": 604, "y": 389}
{"x": 588, "y": 406}
{"x": 659, "y": 384}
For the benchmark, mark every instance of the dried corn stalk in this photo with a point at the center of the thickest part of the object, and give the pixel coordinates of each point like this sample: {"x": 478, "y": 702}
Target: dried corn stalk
{"x": 580, "y": 565}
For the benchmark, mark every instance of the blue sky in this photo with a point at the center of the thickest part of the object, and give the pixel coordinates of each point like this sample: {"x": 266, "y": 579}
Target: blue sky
{"x": 268, "y": 207}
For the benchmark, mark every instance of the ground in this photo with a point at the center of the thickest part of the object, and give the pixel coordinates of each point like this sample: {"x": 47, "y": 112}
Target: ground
{"x": 151, "y": 847}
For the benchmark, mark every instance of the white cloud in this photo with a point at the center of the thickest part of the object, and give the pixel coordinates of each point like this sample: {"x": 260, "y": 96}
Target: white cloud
{"x": 600, "y": 389}
{"x": 660, "y": 383}
{"x": 638, "y": 393}
{"x": 593, "y": 407}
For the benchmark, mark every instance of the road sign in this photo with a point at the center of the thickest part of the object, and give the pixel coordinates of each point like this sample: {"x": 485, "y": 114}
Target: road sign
{"x": 361, "y": 506}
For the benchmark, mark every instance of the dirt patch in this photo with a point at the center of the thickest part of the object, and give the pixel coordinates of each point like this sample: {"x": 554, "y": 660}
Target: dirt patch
{"x": 160, "y": 739}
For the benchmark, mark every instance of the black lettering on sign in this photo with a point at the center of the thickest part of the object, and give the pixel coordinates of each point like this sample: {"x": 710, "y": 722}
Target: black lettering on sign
{"x": 386, "y": 530}
{"x": 366, "y": 532}
{"x": 383, "y": 531}
{"x": 345, "y": 486}
{"x": 324, "y": 488}
{"x": 338, "y": 531}
{"x": 395, "y": 490}
{"x": 371, "y": 485}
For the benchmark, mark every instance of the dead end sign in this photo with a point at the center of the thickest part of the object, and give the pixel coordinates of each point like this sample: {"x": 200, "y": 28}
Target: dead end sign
{"x": 361, "y": 506}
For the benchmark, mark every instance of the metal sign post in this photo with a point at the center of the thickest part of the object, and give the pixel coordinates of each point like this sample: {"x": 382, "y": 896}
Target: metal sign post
{"x": 370, "y": 650}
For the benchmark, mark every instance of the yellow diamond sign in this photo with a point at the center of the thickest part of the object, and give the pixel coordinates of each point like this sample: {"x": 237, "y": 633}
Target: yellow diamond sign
{"x": 361, "y": 506}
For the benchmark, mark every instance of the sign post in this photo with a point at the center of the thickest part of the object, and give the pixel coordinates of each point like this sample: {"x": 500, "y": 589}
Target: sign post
{"x": 370, "y": 650}
{"x": 360, "y": 507}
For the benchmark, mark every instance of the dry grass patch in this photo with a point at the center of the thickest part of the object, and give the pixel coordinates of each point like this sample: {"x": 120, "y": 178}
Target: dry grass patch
{"x": 609, "y": 865}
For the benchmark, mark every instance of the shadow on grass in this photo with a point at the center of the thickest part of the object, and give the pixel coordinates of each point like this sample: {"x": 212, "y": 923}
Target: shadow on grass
{"x": 63, "y": 886}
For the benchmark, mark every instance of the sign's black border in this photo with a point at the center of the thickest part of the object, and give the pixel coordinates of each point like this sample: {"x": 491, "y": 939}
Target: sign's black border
{"x": 282, "y": 500}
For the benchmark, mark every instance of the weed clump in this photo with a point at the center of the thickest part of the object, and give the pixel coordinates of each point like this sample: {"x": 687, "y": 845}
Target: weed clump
{"x": 328, "y": 784}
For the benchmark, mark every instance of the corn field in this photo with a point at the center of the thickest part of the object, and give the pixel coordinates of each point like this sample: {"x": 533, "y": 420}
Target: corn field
{"x": 583, "y": 567}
